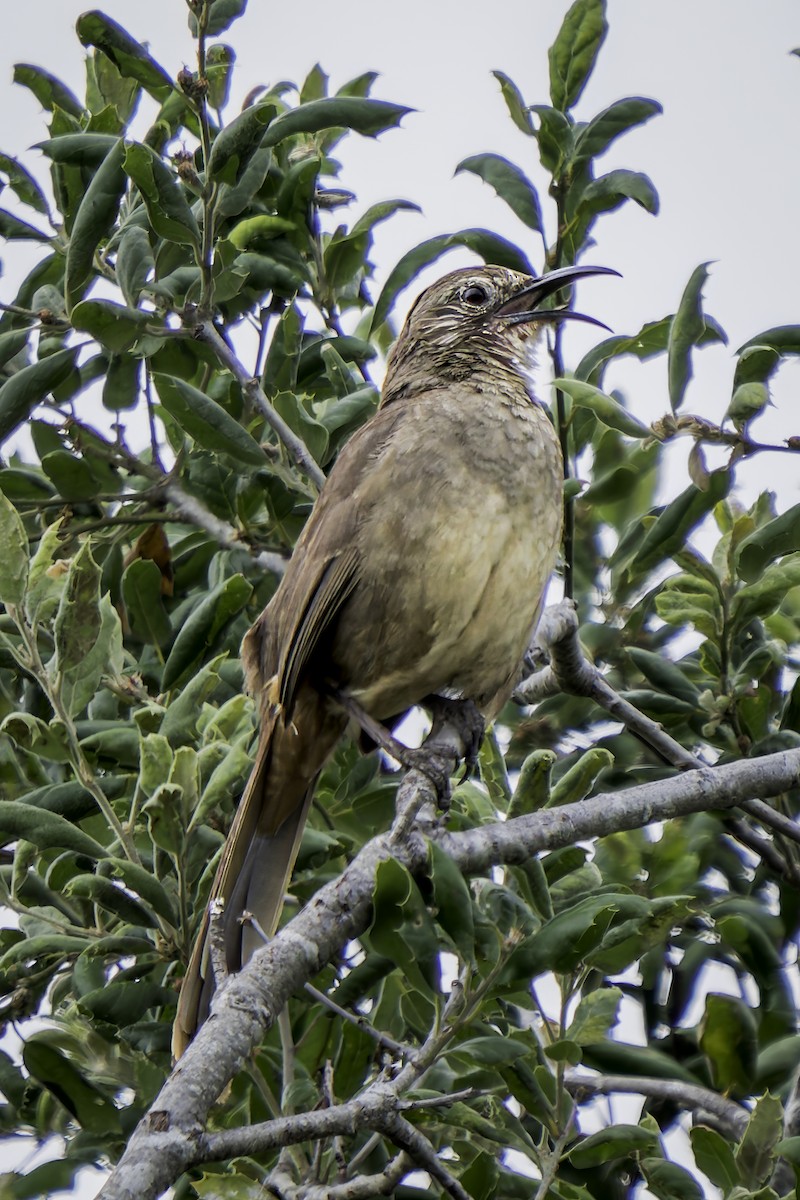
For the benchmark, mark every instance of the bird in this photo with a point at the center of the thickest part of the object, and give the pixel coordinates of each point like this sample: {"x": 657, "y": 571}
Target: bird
{"x": 420, "y": 573}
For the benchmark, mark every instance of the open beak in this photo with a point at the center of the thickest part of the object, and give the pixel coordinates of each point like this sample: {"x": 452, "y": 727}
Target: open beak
{"x": 524, "y": 306}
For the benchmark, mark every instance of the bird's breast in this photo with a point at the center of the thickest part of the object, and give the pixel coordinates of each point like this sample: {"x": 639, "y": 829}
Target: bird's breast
{"x": 459, "y": 529}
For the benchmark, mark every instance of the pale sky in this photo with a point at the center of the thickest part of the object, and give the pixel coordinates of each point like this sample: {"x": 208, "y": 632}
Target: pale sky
{"x": 723, "y": 156}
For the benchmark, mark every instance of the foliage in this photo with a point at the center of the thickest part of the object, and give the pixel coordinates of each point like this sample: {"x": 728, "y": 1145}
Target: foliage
{"x": 132, "y": 556}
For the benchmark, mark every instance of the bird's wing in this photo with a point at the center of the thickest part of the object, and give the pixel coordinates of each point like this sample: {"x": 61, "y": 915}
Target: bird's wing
{"x": 334, "y": 584}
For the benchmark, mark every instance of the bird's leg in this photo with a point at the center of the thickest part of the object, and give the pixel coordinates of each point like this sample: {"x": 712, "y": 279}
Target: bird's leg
{"x": 433, "y": 763}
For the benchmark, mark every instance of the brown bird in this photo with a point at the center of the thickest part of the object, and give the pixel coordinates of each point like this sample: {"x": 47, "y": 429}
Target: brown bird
{"x": 420, "y": 573}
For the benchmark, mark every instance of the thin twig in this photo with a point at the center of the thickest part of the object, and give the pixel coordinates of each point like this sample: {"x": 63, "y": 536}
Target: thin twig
{"x": 298, "y": 451}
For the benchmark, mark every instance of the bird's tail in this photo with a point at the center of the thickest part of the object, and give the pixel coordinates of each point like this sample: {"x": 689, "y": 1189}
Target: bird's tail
{"x": 260, "y": 851}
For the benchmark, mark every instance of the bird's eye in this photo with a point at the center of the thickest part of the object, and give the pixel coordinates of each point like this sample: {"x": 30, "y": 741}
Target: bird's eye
{"x": 475, "y": 293}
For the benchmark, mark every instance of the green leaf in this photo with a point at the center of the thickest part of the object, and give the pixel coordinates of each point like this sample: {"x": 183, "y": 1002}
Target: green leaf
{"x": 80, "y": 682}
{"x": 20, "y": 394}
{"x": 595, "y": 1015}
{"x": 669, "y": 532}
{"x": 685, "y": 334}
{"x": 606, "y": 408}
{"x": 533, "y": 785}
{"x": 77, "y": 628}
{"x": 13, "y": 229}
{"x": 46, "y": 830}
{"x": 96, "y": 889}
{"x": 599, "y": 133}
{"x": 561, "y": 943}
{"x": 755, "y": 1154}
{"x": 480, "y": 1179}
{"x": 235, "y": 145}
{"x": 55, "y": 1072}
{"x": 764, "y": 597}
{"x": 777, "y": 537}
{"x": 555, "y": 137}
{"x": 664, "y": 674}
{"x": 261, "y": 228}
{"x": 128, "y": 56}
{"x": 126, "y": 1002}
{"x": 747, "y": 401}
{"x": 93, "y": 221}
{"x": 179, "y": 725}
{"x": 510, "y": 183}
{"x": 112, "y": 325}
{"x": 201, "y": 629}
{"x": 714, "y": 1157}
{"x": 517, "y": 108}
{"x": 299, "y": 420}
{"x": 381, "y": 212}
{"x": 144, "y": 883}
{"x": 23, "y": 184}
{"x": 219, "y": 72}
{"x": 783, "y": 339}
{"x": 573, "y": 53}
{"x": 728, "y": 1038}
{"x": 169, "y": 213}
{"x": 144, "y": 608}
{"x": 107, "y": 90}
{"x": 122, "y": 383}
{"x": 576, "y": 783}
{"x": 453, "y": 902}
{"x": 13, "y": 554}
{"x": 12, "y": 344}
{"x": 134, "y": 263}
{"x": 401, "y": 927}
{"x": 365, "y": 116}
{"x": 206, "y": 421}
{"x": 78, "y": 149}
{"x": 686, "y": 599}
{"x": 221, "y": 15}
{"x": 608, "y": 192}
{"x": 670, "y": 1181}
{"x": 609, "y": 1145}
{"x": 49, "y": 91}
{"x": 491, "y": 248}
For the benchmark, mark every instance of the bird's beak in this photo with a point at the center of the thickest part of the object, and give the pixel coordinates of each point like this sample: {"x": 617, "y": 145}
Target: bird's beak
{"x": 524, "y": 305}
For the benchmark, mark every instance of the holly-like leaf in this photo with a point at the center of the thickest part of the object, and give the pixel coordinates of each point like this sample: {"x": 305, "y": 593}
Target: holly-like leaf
{"x": 13, "y": 554}
{"x": 169, "y": 213}
{"x": 93, "y": 221}
{"x": 599, "y": 133}
{"x": 510, "y": 183}
{"x": 688, "y": 328}
{"x": 129, "y": 56}
{"x": 572, "y": 55}
{"x": 20, "y": 394}
{"x": 206, "y": 421}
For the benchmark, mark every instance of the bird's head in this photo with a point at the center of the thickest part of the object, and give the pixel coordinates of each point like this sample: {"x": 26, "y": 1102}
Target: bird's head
{"x": 475, "y": 318}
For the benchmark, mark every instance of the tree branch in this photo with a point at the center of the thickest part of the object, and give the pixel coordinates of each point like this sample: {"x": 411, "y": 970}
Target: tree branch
{"x": 734, "y": 1117}
{"x": 298, "y": 450}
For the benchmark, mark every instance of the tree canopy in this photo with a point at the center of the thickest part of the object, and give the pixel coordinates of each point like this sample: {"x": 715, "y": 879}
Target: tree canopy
{"x": 608, "y": 908}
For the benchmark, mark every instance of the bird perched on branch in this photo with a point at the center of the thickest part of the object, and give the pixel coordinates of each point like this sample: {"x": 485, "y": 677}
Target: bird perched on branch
{"x": 420, "y": 573}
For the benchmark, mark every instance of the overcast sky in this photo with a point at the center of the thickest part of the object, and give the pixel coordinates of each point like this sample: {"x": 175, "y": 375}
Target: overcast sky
{"x": 723, "y": 156}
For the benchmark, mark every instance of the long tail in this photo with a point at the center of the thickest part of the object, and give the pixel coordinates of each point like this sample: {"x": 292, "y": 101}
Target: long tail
{"x": 261, "y": 849}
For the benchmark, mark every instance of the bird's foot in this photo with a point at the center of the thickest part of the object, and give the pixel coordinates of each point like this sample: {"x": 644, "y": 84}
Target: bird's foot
{"x": 466, "y": 718}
